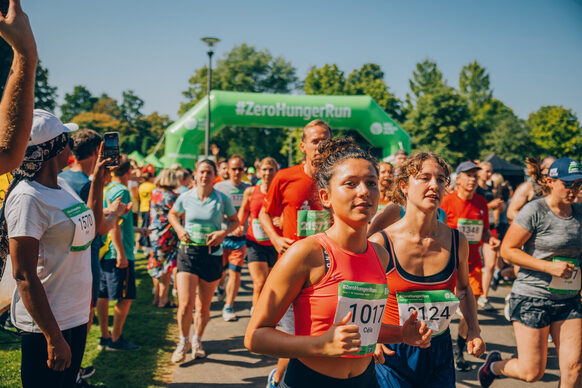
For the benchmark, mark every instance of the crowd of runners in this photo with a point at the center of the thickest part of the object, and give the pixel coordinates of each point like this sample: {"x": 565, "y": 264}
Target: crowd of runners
{"x": 358, "y": 267}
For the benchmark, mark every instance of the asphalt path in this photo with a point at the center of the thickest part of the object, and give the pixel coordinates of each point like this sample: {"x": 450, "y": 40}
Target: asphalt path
{"x": 229, "y": 364}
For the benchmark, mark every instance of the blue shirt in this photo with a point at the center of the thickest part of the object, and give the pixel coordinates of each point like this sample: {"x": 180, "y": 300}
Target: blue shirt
{"x": 78, "y": 182}
{"x": 207, "y": 213}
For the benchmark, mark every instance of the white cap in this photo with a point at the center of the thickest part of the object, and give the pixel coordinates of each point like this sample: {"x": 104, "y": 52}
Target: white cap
{"x": 46, "y": 126}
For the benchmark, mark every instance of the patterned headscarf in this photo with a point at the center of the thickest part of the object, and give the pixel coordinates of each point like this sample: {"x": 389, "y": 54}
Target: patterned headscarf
{"x": 34, "y": 158}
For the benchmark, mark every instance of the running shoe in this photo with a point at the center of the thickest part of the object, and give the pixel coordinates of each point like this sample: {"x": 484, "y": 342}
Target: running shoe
{"x": 103, "y": 343}
{"x": 220, "y": 294}
{"x": 85, "y": 373}
{"x": 121, "y": 344}
{"x": 461, "y": 364}
{"x": 181, "y": 350}
{"x": 271, "y": 383}
{"x": 198, "y": 350}
{"x": 228, "y": 314}
{"x": 506, "y": 308}
{"x": 486, "y": 377}
{"x": 484, "y": 304}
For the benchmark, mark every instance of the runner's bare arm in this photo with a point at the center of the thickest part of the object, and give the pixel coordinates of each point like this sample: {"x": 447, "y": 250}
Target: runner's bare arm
{"x": 389, "y": 215}
{"x": 280, "y": 243}
{"x": 301, "y": 266}
{"x": 514, "y": 239}
{"x": 215, "y": 238}
{"x": 24, "y": 256}
{"x": 18, "y": 99}
{"x": 175, "y": 219}
{"x": 95, "y": 200}
{"x": 475, "y": 344}
{"x": 117, "y": 241}
{"x": 522, "y": 195}
{"x": 412, "y": 333}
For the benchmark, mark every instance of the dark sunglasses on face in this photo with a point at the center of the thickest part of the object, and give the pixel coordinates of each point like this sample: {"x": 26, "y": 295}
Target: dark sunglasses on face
{"x": 237, "y": 169}
{"x": 573, "y": 185}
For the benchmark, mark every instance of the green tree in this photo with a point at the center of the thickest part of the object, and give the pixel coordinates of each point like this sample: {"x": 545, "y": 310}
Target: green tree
{"x": 325, "y": 80}
{"x": 150, "y": 131}
{"x": 245, "y": 69}
{"x": 107, "y": 105}
{"x": 474, "y": 85}
{"x": 45, "y": 95}
{"x": 79, "y": 101}
{"x": 100, "y": 122}
{"x": 131, "y": 106}
{"x": 369, "y": 80}
{"x": 556, "y": 130}
{"x": 440, "y": 122}
{"x": 426, "y": 79}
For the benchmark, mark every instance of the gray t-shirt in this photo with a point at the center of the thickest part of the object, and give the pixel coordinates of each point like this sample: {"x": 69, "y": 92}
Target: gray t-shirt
{"x": 552, "y": 236}
{"x": 235, "y": 193}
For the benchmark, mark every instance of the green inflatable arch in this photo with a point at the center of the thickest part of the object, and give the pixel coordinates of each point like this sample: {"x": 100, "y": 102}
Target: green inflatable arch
{"x": 360, "y": 113}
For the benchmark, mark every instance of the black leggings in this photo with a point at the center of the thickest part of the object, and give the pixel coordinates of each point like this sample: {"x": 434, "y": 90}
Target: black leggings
{"x": 300, "y": 375}
{"x": 34, "y": 371}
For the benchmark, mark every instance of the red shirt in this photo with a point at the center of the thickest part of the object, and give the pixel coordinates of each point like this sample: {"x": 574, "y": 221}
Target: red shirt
{"x": 291, "y": 190}
{"x": 466, "y": 216}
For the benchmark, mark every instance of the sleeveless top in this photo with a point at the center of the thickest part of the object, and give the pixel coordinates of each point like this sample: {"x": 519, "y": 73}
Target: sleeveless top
{"x": 315, "y": 306}
{"x": 401, "y": 281}
{"x": 255, "y": 231}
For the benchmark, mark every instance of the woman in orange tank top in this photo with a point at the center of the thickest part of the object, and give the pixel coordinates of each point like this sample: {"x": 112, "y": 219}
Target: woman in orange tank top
{"x": 336, "y": 282}
{"x": 427, "y": 259}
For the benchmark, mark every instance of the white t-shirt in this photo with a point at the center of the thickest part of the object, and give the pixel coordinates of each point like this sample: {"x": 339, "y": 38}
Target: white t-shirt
{"x": 34, "y": 210}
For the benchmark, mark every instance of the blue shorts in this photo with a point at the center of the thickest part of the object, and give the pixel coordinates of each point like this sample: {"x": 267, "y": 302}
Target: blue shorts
{"x": 412, "y": 366}
{"x": 117, "y": 283}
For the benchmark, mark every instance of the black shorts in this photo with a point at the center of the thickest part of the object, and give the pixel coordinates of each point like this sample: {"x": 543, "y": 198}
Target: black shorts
{"x": 117, "y": 283}
{"x": 261, "y": 253}
{"x": 300, "y": 375}
{"x": 196, "y": 260}
{"x": 541, "y": 312}
{"x": 144, "y": 241}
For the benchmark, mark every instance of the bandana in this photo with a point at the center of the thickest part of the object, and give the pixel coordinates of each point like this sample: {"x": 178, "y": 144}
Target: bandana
{"x": 34, "y": 158}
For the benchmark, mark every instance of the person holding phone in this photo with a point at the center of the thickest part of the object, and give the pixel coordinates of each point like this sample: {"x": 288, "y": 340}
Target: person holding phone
{"x": 49, "y": 230}
{"x": 200, "y": 254}
{"x": 337, "y": 283}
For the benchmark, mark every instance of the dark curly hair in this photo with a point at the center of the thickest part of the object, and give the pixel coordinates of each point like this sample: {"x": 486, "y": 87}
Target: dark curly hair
{"x": 333, "y": 152}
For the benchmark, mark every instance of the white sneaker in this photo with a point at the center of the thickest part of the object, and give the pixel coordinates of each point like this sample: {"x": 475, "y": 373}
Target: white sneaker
{"x": 198, "y": 351}
{"x": 506, "y": 308}
{"x": 228, "y": 314}
{"x": 484, "y": 304}
{"x": 181, "y": 350}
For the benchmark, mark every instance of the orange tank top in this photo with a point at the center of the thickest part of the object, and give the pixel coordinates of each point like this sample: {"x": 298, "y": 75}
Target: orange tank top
{"x": 255, "y": 231}
{"x": 315, "y": 306}
{"x": 401, "y": 281}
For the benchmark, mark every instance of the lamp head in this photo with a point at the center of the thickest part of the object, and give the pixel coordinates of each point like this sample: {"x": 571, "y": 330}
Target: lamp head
{"x": 210, "y": 41}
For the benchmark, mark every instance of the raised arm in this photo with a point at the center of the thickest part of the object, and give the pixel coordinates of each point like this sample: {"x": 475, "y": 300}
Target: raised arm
{"x": 18, "y": 100}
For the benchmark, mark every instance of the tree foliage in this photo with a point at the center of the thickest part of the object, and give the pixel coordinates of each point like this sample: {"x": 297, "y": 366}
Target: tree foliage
{"x": 556, "y": 130}
{"x": 426, "y": 79}
{"x": 79, "y": 101}
{"x": 325, "y": 80}
{"x": 45, "y": 95}
{"x": 474, "y": 85}
{"x": 131, "y": 106}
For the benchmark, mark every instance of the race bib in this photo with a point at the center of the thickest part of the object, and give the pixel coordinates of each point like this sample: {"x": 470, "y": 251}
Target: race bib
{"x": 82, "y": 217}
{"x": 237, "y": 198}
{"x": 310, "y": 222}
{"x": 258, "y": 231}
{"x": 472, "y": 229}
{"x": 366, "y": 301}
{"x": 199, "y": 233}
{"x": 570, "y": 286}
{"x": 436, "y": 308}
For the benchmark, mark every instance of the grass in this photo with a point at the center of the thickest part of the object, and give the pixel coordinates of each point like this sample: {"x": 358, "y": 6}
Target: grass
{"x": 154, "y": 329}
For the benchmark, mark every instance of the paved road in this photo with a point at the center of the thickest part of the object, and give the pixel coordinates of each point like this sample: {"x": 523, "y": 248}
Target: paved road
{"x": 229, "y": 364}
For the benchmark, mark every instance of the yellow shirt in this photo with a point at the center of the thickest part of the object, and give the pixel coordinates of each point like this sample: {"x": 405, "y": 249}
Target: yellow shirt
{"x": 145, "y": 194}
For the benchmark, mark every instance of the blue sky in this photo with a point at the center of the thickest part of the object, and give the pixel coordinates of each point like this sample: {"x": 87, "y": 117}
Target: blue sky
{"x": 531, "y": 48}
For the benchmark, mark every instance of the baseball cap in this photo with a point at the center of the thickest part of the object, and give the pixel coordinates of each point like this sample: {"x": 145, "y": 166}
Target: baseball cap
{"x": 565, "y": 169}
{"x": 46, "y": 126}
{"x": 149, "y": 169}
{"x": 466, "y": 166}
{"x": 251, "y": 170}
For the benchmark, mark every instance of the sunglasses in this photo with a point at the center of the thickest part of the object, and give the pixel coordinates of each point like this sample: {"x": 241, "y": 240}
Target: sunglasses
{"x": 237, "y": 169}
{"x": 573, "y": 185}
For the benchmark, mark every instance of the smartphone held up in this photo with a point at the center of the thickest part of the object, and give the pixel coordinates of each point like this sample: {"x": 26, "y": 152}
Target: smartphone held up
{"x": 111, "y": 148}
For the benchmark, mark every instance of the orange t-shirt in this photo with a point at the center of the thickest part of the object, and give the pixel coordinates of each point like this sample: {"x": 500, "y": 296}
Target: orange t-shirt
{"x": 468, "y": 217}
{"x": 291, "y": 190}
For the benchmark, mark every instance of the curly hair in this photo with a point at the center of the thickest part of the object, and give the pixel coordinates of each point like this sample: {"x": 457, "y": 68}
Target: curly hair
{"x": 411, "y": 167}
{"x": 332, "y": 153}
{"x": 534, "y": 169}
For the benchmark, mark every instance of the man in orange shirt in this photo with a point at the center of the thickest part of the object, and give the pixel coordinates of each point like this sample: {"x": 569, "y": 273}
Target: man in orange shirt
{"x": 293, "y": 196}
{"x": 467, "y": 212}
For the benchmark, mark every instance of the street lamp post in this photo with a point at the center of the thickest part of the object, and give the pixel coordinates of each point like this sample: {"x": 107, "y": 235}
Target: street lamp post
{"x": 210, "y": 41}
